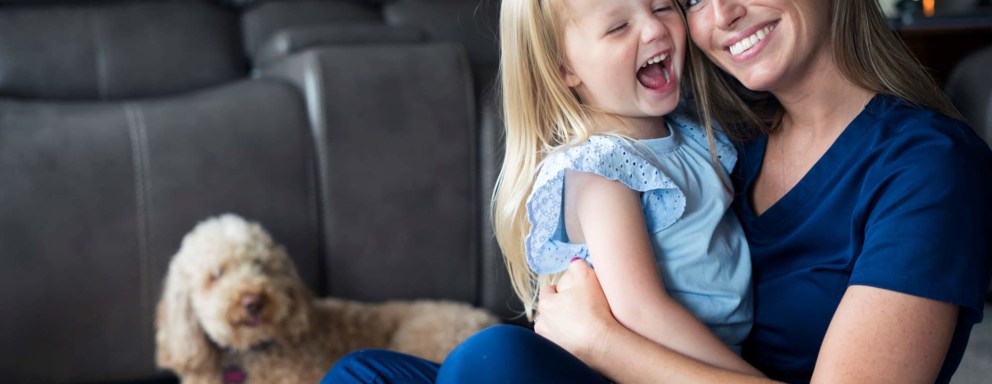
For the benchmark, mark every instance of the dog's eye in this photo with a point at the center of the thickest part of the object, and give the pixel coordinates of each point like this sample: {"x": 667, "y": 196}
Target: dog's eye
{"x": 216, "y": 273}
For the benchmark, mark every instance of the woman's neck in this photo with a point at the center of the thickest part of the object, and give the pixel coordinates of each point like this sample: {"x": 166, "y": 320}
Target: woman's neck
{"x": 824, "y": 103}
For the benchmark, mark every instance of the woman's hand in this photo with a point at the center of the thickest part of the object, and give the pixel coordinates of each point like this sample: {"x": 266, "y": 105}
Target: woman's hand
{"x": 578, "y": 295}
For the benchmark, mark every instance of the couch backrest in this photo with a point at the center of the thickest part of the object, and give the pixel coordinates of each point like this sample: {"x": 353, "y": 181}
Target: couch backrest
{"x": 395, "y": 134}
{"x": 117, "y": 50}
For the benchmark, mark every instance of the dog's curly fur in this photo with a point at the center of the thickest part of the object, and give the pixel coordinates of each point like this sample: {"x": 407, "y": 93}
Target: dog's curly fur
{"x": 232, "y": 297}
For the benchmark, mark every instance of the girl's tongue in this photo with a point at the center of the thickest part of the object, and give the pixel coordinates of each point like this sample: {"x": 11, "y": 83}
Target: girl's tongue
{"x": 654, "y": 76}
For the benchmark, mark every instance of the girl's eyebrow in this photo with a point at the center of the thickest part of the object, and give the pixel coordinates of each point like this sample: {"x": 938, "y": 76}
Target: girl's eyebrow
{"x": 601, "y": 12}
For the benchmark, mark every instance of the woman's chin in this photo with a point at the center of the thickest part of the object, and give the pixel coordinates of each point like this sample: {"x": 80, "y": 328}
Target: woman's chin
{"x": 758, "y": 82}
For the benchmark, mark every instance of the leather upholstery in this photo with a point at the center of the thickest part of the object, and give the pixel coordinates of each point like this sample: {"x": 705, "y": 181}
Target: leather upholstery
{"x": 267, "y": 19}
{"x": 470, "y": 23}
{"x": 79, "y": 51}
{"x": 395, "y": 135}
{"x": 292, "y": 40}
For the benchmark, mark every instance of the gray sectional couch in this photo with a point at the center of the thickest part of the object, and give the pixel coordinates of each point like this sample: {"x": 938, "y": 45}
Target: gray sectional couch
{"x": 360, "y": 133}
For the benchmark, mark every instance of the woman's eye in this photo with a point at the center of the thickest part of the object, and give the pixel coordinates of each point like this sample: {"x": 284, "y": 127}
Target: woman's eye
{"x": 617, "y": 29}
{"x": 689, "y": 3}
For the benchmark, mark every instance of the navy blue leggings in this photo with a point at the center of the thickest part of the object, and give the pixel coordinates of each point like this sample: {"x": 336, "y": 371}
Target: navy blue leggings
{"x": 500, "y": 354}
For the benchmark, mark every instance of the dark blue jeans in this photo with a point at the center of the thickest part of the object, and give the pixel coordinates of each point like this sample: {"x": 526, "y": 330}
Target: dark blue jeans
{"x": 500, "y": 354}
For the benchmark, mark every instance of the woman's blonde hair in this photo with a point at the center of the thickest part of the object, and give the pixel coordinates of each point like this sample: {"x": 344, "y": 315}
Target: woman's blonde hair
{"x": 867, "y": 52}
{"x": 540, "y": 113}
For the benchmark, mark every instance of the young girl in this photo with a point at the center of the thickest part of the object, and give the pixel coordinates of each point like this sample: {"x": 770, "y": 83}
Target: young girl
{"x": 593, "y": 171}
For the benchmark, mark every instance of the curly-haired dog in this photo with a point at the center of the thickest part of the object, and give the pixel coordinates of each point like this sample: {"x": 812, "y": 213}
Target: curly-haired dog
{"x": 234, "y": 310}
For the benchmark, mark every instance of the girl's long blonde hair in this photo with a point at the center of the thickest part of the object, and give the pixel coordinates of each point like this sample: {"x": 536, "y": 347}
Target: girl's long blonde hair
{"x": 868, "y": 53}
{"x": 540, "y": 114}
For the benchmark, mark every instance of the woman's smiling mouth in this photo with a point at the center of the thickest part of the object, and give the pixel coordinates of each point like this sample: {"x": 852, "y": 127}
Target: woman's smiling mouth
{"x": 747, "y": 42}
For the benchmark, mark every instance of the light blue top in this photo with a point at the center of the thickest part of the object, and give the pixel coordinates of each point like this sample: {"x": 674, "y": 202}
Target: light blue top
{"x": 699, "y": 246}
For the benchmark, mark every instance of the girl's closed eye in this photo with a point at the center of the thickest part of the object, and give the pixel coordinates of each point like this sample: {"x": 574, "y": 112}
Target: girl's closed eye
{"x": 617, "y": 29}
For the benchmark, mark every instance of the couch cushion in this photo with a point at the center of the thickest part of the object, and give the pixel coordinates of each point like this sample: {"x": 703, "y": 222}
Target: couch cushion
{"x": 473, "y": 23}
{"x": 95, "y": 200}
{"x": 265, "y": 20}
{"x": 395, "y": 130}
{"x": 115, "y": 50}
{"x": 291, "y": 40}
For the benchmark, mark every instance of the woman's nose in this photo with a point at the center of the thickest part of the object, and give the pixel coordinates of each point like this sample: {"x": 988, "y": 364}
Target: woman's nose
{"x": 726, "y": 13}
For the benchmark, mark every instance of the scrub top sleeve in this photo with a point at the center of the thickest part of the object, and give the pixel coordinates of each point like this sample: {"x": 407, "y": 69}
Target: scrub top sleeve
{"x": 928, "y": 228}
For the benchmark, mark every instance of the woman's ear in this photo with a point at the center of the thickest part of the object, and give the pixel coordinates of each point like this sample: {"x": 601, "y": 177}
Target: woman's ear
{"x": 569, "y": 77}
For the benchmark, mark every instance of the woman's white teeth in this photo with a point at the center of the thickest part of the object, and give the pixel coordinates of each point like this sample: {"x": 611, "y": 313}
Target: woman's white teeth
{"x": 748, "y": 42}
{"x": 668, "y": 77}
{"x": 656, "y": 59}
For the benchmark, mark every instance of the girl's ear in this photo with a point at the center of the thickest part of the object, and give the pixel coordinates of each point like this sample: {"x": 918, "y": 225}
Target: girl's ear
{"x": 571, "y": 79}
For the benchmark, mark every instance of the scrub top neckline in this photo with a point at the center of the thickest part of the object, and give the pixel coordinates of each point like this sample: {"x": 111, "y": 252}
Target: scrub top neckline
{"x": 791, "y": 206}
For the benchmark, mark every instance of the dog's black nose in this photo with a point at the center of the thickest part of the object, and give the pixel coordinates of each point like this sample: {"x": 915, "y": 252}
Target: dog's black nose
{"x": 252, "y": 304}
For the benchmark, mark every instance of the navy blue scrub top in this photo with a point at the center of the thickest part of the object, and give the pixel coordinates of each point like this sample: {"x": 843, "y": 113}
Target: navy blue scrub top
{"x": 901, "y": 201}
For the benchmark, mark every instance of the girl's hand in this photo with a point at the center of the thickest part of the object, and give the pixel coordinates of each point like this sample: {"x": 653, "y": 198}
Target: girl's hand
{"x": 575, "y": 314}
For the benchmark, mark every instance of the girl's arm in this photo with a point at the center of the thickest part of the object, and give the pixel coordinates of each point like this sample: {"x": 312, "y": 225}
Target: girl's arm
{"x": 607, "y": 216}
{"x": 875, "y": 336}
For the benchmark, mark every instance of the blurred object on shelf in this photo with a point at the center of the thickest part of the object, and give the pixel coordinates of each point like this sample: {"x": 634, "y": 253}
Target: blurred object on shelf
{"x": 909, "y": 11}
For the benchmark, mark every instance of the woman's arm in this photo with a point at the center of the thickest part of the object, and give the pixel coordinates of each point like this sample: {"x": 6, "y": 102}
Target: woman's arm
{"x": 875, "y": 336}
{"x": 878, "y": 336}
{"x": 607, "y": 216}
{"x": 607, "y": 346}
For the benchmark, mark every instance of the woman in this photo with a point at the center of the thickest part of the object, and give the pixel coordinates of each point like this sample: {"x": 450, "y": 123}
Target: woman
{"x": 866, "y": 208}
{"x": 865, "y": 202}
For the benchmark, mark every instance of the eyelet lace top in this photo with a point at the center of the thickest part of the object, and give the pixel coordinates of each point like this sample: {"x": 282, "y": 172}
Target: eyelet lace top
{"x": 614, "y": 158}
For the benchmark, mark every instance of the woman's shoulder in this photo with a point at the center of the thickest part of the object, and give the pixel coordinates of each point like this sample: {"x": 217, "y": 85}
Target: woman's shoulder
{"x": 896, "y": 118}
{"x": 924, "y": 142}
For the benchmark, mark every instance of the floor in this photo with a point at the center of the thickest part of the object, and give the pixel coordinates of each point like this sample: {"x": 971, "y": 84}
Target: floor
{"x": 976, "y": 366}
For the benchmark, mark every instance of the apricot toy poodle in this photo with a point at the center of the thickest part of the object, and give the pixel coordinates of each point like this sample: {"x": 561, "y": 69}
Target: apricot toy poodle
{"x": 234, "y": 310}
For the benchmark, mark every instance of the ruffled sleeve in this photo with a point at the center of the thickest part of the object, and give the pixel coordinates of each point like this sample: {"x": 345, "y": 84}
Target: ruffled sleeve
{"x": 547, "y": 246}
{"x": 725, "y": 152}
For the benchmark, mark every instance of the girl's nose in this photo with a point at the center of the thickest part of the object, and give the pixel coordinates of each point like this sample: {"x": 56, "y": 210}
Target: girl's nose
{"x": 653, "y": 30}
{"x": 726, "y": 13}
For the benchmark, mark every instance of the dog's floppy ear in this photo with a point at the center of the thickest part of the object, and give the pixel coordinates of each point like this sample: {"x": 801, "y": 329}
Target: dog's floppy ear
{"x": 299, "y": 322}
{"x": 181, "y": 345}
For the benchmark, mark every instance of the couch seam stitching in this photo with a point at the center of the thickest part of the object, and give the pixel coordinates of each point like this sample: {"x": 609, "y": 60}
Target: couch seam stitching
{"x": 100, "y": 55}
{"x": 139, "y": 160}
